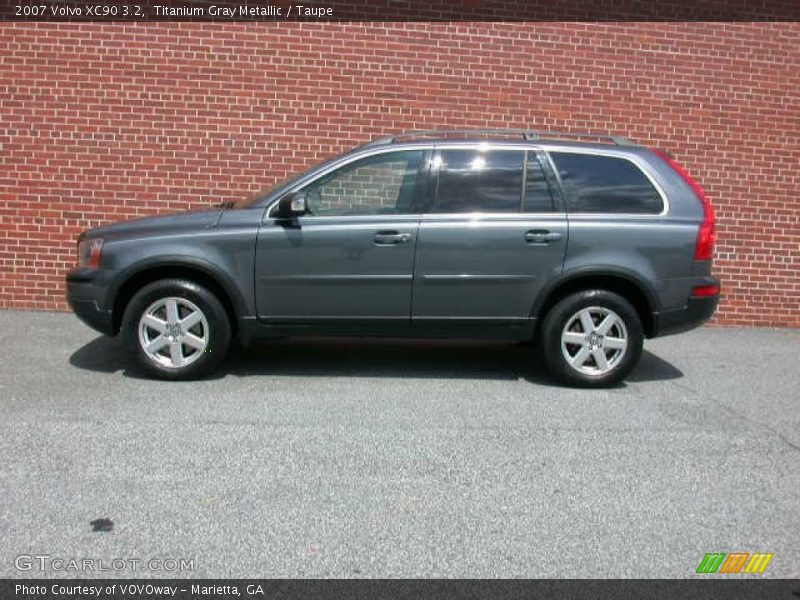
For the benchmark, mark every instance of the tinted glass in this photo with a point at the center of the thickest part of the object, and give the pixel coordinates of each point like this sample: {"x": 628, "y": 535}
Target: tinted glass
{"x": 538, "y": 197}
{"x": 604, "y": 184}
{"x": 376, "y": 185}
{"x": 480, "y": 181}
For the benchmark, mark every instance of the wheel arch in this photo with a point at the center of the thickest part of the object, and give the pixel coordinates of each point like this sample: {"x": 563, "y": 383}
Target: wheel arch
{"x": 628, "y": 285}
{"x": 191, "y": 269}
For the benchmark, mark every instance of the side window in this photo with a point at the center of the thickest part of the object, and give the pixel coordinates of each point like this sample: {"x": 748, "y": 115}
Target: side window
{"x": 538, "y": 195}
{"x": 605, "y": 184}
{"x": 479, "y": 181}
{"x": 381, "y": 184}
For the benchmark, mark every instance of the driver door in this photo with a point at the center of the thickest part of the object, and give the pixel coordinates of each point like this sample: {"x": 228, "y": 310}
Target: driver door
{"x": 351, "y": 256}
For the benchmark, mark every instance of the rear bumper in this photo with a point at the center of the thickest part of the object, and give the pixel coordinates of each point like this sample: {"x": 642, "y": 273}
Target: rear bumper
{"x": 696, "y": 312}
{"x": 84, "y": 297}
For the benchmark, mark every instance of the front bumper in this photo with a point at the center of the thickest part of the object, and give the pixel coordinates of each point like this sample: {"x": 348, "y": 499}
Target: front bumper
{"x": 697, "y": 311}
{"x": 85, "y": 297}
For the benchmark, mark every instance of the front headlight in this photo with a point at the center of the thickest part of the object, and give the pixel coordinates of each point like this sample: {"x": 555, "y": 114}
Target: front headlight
{"x": 89, "y": 253}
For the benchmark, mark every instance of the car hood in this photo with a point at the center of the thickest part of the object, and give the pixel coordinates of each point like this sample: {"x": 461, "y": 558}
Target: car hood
{"x": 193, "y": 219}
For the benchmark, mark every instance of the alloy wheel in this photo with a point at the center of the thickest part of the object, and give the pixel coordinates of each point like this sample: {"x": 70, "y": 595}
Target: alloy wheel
{"x": 594, "y": 340}
{"x": 173, "y": 332}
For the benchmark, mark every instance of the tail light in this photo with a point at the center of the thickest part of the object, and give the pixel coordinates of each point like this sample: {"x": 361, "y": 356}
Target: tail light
{"x": 703, "y": 291}
{"x": 706, "y": 235}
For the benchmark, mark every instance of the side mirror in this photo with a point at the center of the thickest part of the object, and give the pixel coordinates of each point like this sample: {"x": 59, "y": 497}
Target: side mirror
{"x": 292, "y": 205}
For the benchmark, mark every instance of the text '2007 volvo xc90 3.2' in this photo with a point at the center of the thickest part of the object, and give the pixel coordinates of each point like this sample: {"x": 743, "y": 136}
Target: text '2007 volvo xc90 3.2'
{"x": 585, "y": 244}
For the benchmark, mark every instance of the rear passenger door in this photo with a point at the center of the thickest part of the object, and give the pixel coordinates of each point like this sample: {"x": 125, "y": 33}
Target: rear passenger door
{"x": 496, "y": 234}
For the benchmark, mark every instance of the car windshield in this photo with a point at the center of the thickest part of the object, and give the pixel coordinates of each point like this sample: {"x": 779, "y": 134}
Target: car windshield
{"x": 286, "y": 183}
{"x": 261, "y": 194}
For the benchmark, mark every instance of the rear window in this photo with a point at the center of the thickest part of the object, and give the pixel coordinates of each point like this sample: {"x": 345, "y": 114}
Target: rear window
{"x": 605, "y": 184}
{"x": 480, "y": 181}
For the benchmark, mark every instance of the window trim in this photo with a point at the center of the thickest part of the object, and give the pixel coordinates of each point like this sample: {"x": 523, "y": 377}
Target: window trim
{"x": 525, "y": 181}
{"x": 430, "y": 177}
{"x": 640, "y": 165}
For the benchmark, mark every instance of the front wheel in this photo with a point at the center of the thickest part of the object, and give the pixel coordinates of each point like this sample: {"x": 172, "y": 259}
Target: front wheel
{"x": 176, "y": 329}
{"x": 592, "y": 338}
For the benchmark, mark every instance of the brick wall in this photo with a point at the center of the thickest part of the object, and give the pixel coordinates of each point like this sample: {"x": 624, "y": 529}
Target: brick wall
{"x": 104, "y": 122}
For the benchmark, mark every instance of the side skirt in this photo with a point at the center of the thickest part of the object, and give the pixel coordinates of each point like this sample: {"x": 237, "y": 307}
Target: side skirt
{"x": 251, "y": 328}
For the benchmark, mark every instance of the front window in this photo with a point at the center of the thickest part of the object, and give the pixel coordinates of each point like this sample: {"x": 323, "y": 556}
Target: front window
{"x": 376, "y": 185}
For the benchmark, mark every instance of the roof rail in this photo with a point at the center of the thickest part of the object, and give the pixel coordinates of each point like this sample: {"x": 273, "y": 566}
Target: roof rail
{"x": 549, "y": 135}
{"x": 525, "y": 134}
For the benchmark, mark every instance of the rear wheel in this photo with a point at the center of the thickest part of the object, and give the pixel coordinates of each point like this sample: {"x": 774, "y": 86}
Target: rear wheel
{"x": 176, "y": 329}
{"x": 592, "y": 338}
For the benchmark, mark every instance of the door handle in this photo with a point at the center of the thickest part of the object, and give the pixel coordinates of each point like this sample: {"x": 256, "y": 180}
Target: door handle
{"x": 541, "y": 236}
{"x": 391, "y": 238}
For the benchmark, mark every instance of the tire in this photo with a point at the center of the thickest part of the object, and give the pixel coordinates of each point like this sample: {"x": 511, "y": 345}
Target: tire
{"x": 604, "y": 355}
{"x": 190, "y": 346}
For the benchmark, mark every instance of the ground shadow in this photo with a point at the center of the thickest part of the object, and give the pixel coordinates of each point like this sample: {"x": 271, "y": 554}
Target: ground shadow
{"x": 103, "y": 355}
{"x": 347, "y": 357}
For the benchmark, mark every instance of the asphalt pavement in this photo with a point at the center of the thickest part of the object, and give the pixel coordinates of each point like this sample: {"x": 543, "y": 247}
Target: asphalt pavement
{"x": 385, "y": 458}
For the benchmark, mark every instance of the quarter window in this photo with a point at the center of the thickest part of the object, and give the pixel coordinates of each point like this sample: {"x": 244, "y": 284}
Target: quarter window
{"x": 538, "y": 196}
{"x": 380, "y": 184}
{"x": 605, "y": 184}
{"x": 479, "y": 181}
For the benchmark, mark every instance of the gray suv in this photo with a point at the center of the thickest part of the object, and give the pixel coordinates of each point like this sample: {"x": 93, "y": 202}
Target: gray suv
{"x": 583, "y": 243}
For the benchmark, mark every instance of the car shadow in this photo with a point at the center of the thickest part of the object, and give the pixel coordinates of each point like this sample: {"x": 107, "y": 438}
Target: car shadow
{"x": 365, "y": 357}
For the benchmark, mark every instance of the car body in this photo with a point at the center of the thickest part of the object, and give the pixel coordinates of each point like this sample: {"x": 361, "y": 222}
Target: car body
{"x": 445, "y": 234}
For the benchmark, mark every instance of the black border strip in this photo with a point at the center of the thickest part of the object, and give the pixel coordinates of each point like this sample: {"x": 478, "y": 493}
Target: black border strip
{"x": 701, "y": 588}
{"x": 227, "y": 11}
